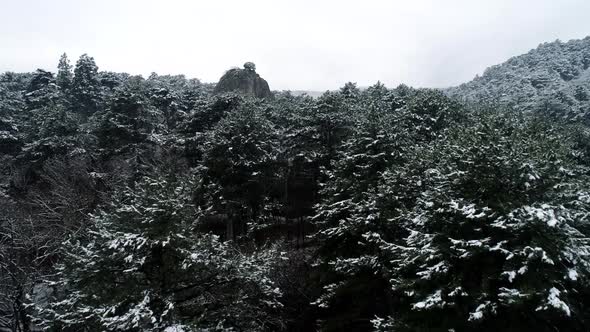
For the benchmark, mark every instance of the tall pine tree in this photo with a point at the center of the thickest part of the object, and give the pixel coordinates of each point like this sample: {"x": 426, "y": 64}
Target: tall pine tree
{"x": 64, "y": 73}
{"x": 86, "y": 86}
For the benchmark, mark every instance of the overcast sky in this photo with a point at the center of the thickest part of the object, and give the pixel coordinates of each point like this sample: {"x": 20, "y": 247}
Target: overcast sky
{"x": 297, "y": 45}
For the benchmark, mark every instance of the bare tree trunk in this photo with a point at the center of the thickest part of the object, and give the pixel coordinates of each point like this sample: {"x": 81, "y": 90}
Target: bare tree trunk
{"x": 229, "y": 229}
{"x": 21, "y": 316}
{"x": 302, "y": 218}
{"x": 300, "y": 232}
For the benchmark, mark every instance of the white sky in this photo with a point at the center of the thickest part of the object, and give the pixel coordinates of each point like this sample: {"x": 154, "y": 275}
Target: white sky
{"x": 298, "y": 45}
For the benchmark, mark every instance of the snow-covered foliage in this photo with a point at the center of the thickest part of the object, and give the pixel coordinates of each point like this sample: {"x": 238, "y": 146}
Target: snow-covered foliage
{"x": 471, "y": 229}
{"x": 553, "y": 78}
{"x": 187, "y": 209}
{"x": 85, "y": 86}
{"x": 143, "y": 267}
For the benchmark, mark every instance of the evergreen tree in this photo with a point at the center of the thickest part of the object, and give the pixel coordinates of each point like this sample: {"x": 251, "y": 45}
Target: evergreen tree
{"x": 64, "y": 73}
{"x": 85, "y": 86}
{"x": 128, "y": 119}
{"x": 480, "y": 229}
{"x": 49, "y": 129}
{"x": 494, "y": 239}
{"x": 350, "y": 90}
{"x": 144, "y": 268}
{"x": 10, "y": 140}
{"x": 349, "y": 211}
{"x": 42, "y": 90}
{"x": 240, "y": 163}
{"x": 428, "y": 112}
{"x": 331, "y": 120}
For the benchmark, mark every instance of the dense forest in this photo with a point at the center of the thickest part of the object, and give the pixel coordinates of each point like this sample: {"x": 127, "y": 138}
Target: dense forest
{"x": 167, "y": 204}
{"x": 552, "y": 79}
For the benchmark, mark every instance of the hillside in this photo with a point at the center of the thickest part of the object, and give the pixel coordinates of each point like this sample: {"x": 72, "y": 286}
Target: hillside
{"x": 553, "y": 78}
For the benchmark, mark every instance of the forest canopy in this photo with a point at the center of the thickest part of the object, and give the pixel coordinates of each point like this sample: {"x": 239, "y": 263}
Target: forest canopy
{"x": 164, "y": 204}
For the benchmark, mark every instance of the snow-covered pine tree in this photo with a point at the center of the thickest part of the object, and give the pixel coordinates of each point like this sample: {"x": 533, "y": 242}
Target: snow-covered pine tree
{"x": 495, "y": 236}
{"x": 331, "y": 119}
{"x": 429, "y": 111}
{"x": 64, "y": 73}
{"x": 85, "y": 86}
{"x": 143, "y": 267}
{"x": 349, "y": 211}
{"x": 239, "y": 159}
{"x": 42, "y": 90}
{"x": 129, "y": 119}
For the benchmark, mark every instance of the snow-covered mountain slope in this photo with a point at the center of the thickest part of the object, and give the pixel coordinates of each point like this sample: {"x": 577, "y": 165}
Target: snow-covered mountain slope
{"x": 553, "y": 78}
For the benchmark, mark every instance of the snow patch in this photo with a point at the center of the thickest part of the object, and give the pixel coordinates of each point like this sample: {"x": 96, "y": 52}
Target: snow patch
{"x": 572, "y": 274}
{"x": 433, "y": 300}
{"x": 544, "y": 213}
{"x": 554, "y": 301}
{"x": 511, "y": 275}
{"x": 458, "y": 292}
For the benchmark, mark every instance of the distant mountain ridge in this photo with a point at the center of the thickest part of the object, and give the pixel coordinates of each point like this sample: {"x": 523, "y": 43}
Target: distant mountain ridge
{"x": 311, "y": 93}
{"x": 318, "y": 93}
{"x": 553, "y": 78}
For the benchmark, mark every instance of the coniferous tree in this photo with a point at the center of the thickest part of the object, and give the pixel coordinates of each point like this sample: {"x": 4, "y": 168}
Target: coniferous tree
{"x": 42, "y": 90}
{"x": 128, "y": 119}
{"x": 239, "y": 160}
{"x": 142, "y": 267}
{"x": 64, "y": 73}
{"x": 85, "y": 86}
{"x": 349, "y": 211}
{"x": 493, "y": 242}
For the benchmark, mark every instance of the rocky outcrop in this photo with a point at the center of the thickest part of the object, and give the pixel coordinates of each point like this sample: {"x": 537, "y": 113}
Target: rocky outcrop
{"x": 245, "y": 81}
